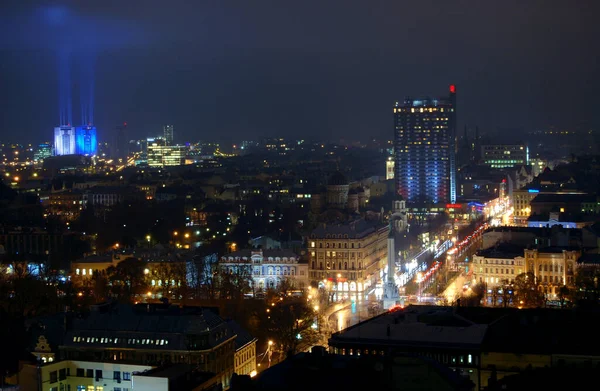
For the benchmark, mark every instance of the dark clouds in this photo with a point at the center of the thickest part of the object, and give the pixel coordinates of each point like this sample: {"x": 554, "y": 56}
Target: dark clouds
{"x": 243, "y": 69}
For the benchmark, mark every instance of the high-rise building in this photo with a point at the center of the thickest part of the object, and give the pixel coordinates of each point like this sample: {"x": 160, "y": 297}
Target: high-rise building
{"x": 160, "y": 154}
{"x": 64, "y": 140}
{"x": 86, "y": 142}
{"x": 425, "y": 149}
{"x": 168, "y": 134}
{"x": 121, "y": 146}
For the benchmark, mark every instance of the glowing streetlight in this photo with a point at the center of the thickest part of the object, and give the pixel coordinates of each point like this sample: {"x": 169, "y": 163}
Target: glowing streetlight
{"x": 186, "y": 235}
{"x": 148, "y": 238}
{"x": 270, "y": 343}
{"x": 149, "y": 294}
{"x": 316, "y": 308}
{"x": 117, "y": 245}
{"x": 146, "y": 271}
{"x": 175, "y": 233}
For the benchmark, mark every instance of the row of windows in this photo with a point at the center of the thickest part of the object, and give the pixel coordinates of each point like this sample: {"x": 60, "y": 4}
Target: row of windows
{"x": 333, "y": 245}
{"x": 498, "y": 262}
{"x": 508, "y": 271}
{"x": 130, "y": 341}
{"x": 333, "y": 264}
{"x": 549, "y": 268}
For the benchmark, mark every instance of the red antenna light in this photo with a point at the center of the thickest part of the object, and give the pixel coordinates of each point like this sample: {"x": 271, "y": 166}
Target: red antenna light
{"x": 124, "y": 123}
{"x": 452, "y": 89}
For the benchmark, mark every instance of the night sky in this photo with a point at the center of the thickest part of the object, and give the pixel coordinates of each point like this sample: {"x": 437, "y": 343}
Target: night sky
{"x": 233, "y": 70}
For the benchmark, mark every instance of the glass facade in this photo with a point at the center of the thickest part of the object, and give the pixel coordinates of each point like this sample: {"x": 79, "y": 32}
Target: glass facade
{"x": 425, "y": 149}
{"x": 161, "y": 155}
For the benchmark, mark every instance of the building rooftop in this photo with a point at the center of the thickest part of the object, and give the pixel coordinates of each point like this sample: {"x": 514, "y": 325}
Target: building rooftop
{"x": 182, "y": 377}
{"x": 243, "y": 337}
{"x": 415, "y": 326}
{"x": 355, "y": 229}
{"x": 271, "y": 253}
{"x": 557, "y": 249}
{"x": 149, "y": 326}
{"x": 322, "y": 371}
{"x": 337, "y": 179}
{"x": 564, "y": 198}
{"x": 502, "y": 251}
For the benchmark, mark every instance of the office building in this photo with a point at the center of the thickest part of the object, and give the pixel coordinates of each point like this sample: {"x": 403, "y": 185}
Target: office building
{"x": 425, "y": 149}
{"x": 348, "y": 257}
{"x": 160, "y": 154}
{"x": 86, "y": 142}
{"x": 168, "y": 134}
{"x": 64, "y": 140}
{"x": 390, "y": 165}
{"x": 505, "y": 155}
{"x": 43, "y": 151}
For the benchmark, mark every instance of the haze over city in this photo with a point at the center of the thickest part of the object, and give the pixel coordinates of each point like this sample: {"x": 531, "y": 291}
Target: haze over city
{"x": 232, "y": 69}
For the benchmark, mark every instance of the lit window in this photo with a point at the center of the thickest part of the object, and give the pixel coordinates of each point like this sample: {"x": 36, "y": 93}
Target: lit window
{"x": 77, "y": 271}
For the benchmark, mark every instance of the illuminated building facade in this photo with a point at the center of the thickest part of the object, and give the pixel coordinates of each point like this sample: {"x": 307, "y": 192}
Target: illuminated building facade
{"x": 268, "y": 268}
{"x": 553, "y": 267}
{"x": 160, "y": 154}
{"x": 43, "y": 151}
{"x": 64, "y": 140}
{"x": 390, "y": 164}
{"x": 86, "y": 142}
{"x": 348, "y": 257}
{"x": 505, "y": 155}
{"x": 425, "y": 149}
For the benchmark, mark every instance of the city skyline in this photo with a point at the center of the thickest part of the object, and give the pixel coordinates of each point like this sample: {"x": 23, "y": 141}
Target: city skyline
{"x": 244, "y": 71}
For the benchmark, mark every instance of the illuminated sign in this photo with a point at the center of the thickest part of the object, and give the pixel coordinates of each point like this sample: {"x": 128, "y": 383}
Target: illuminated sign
{"x": 453, "y": 206}
{"x": 533, "y": 191}
{"x": 452, "y": 89}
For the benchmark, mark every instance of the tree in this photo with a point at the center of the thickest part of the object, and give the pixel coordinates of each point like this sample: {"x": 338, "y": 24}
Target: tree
{"x": 527, "y": 291}
{"x": 235, "y": 282}
{"x": 289, "y": 324}
{"x": 564, "y": 293}
{"x": 127, "y": 279}
{"x": 202, "y": 275}
{"x": 171, "y": 277}
{"x": 474, "y": 296}
{"x": 98, "y": 286}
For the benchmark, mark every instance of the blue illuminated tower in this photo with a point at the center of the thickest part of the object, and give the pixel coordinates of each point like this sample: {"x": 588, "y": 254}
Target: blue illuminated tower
{"x": 69, "y": 140}
{"x": 86, "y": 142}
{"x": 425, "y": 149}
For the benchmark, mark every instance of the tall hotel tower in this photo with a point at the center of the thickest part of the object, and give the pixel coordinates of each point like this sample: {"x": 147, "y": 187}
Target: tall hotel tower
{"x": 425, "y": 149}
{"x": 168, "y": 134}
